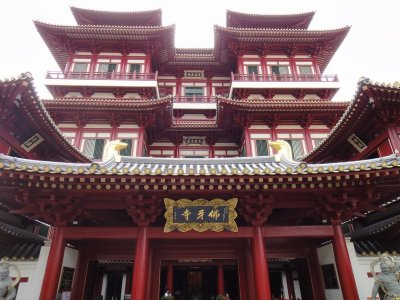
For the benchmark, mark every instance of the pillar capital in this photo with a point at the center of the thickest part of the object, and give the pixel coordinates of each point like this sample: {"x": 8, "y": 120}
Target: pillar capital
{"x": 143, "y": 211}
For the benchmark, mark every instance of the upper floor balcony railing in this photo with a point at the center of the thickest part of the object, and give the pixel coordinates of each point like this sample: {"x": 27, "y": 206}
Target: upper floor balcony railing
{"x": 194, "y": 99}
{"x": 101, "y": 75}
{"x": 284, "y": 77}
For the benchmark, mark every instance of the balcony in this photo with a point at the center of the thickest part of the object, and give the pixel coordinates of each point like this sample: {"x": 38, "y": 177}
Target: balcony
{"x": 101, "y": 80}
{"x": 101, "y": 76}
{"x": 194, "y": 102}
{"x": 194, "y": 99}
{"x": 284, "y": 81}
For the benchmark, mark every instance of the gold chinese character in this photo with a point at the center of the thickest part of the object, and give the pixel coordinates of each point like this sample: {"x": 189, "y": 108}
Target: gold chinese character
{"x": 214, "y": 214}
{"x": 186, "y": 214}
{"x": 200, "y": 214}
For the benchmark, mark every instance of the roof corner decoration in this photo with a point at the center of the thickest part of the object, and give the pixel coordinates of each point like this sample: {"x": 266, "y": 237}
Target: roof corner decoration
{"x": 370, "y": 101}
{"x": 112, "y": 150}
{"x": 22, "y": 103}
{"x": 283, "y": 148}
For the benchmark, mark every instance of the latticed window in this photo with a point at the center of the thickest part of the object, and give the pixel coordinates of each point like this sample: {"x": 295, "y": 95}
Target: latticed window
{"x": 94, "y": 148}
{"x": 262, "y": 148}
{"x": 243, "y": 151}
{"x": 252, "y": 69}
{"x": 317, "y": 142}
{"x": 106, "y": 67}
{"x": 134, "y": 68}
{"x": 80, "y": 67}
{"x": 305, "y": 70}
{"x": 194, "y": 91}
{"x": 280, "y": 70}
{"x": 297, "y": 148}
{"x": 128, "y": 150}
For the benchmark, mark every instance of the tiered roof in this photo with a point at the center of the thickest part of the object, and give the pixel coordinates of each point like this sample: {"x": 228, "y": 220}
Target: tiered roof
{"x": 375, "y": 239}
{"x": 113, "y": 18}
{"x": 301, "y": 112}
{"x": 26, "y": 116}
{"x": 102, "y": 31}
{"x": 244, "y": 20}
{"x": 61, "y": 40}
{"x": 364, "y": 184}
{"x": 372, "y": 101}
{"x": 324, "y": 43}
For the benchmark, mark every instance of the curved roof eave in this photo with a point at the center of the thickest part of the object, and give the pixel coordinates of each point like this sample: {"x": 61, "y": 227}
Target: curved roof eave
{"x": 358, "y": 110}
{"x": 300, "y": 21}
{"x": 57, "y": 37}
{"x": 325, "y": 42}
{"x": 40, "y": 119}
{"x": 90, "y": 17}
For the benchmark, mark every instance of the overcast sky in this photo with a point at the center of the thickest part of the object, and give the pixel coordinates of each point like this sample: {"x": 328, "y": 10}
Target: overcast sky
{"x": 371, "y": 49}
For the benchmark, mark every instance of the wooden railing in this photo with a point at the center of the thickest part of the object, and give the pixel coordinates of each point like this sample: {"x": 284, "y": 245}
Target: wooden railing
{"x": 194, "y": 99}
{"x": 101, "y": 75}
{"x": 284, "y": 77}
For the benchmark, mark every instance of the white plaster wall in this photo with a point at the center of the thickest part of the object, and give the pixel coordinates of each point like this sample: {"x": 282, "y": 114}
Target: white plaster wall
{"x": 26, "y": 269}
{"x": 32, "y": 290}
{"x": 326, "y": 256}
{"x": 39, "y": 272}
{"x": 360, "y": 265}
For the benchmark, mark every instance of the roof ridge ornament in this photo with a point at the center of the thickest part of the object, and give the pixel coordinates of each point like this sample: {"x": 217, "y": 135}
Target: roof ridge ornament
{"x": 284, "y": 150}
{"x": 112, "y": 150}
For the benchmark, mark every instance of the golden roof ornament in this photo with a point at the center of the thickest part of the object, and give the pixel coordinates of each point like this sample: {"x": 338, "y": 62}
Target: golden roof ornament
{"x": 112, "y": 150}
{"x": 283, "y": 149}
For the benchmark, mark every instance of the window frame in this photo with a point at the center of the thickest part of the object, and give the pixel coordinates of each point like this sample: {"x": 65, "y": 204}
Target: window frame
{"x": 93, "y": 154}
{"x": 195, "y": 94}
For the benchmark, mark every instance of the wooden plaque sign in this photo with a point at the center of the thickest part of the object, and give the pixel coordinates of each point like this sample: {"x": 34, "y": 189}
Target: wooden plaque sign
{"x": 66, "y": 279}
{"x": 200, "y": 215}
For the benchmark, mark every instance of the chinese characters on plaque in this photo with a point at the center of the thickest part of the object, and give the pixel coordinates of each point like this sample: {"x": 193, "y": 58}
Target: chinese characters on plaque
{"x": 194, "y": 140}
{"x": 200, "y": 215}
{"x": 194, "y": 74}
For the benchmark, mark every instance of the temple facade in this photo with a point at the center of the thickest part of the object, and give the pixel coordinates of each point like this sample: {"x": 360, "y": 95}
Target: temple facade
{"x": 200, "y": 172}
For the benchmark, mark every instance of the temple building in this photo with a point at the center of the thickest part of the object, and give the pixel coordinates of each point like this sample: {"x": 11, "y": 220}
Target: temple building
{"x": 198, "y": 171}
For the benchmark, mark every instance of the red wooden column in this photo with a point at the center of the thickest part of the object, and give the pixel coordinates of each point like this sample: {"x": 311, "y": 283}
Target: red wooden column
{"x": 221, "y": 288}
{"x": 170, "y": 276}
{"x": 140, "y": 141}
{"x": 343, "y": 264}
{"x": 78, "y": 136}
{"x": 316, "y": 275}
{"x": 80, "y": 275}
{"x": 247, "y": 142}
{"x": 141, "y": 264}
{"x": 394, "y": 137}
{"x": 307, "y": 139}
{"x": 263, "y": 290}
{"x": 53, "y": 267}
{"x": 211, "y": 151}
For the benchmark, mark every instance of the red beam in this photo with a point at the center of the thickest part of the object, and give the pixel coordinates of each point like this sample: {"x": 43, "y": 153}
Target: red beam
{"x": 158, "y": 233}
{"x": 297, "y": 231}
{"x": 79, "y": 233}
{"x": 112, "y": 233}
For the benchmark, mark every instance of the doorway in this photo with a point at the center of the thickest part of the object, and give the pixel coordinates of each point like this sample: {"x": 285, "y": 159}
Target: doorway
{"x": 199, "y": 281}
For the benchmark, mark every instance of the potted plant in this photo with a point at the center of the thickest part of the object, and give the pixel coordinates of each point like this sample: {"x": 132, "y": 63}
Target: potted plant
{"x": 220, "y": 297}
{"x": 167, "y": 297}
